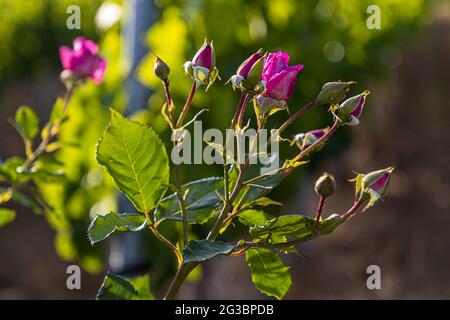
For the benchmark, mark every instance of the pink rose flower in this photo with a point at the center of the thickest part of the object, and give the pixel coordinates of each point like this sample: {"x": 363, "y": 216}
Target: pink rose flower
{"x": 279, "y": 77}
{"x": 83, "y": 60}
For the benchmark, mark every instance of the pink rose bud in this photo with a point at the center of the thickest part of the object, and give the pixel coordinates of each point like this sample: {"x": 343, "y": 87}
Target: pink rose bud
{"x": 351, "y": 109}
{"x": 205, "y": 56}
{"x": 248, "y": 75}
{"x": 304, "y": 140}
{"x": 202, "y": 68}
{"x": 377, "y": 180}
{"x": 279, "y": 77}
{"x": 372, "y": 186}
{"x": 83, "y": 60}
{"x": 245, "y": 68}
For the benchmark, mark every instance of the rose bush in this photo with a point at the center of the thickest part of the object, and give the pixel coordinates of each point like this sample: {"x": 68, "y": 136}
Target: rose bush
{"x": 138, "y": 162}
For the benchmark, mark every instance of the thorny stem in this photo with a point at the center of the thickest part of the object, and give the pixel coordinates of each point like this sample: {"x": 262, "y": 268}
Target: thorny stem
{"x": 169, "y": 100}
{"x": 297, "y": 114}
{"x": 186, "y": 268}
{"x": 242, "y": 105}
{"x": 243, "y": 97}
{"x": 353, "y": 209}
{"x": 53, "y": 130}
{"x": 180, "y": 196}
{"x": 337, "y": 123}
{"x": 175, "y": 126}
{"x": 345, "y": 216}
{"x": 186, "y": 106}
{"x": 168, "y": 243}
{"x": 237, "y": 120}
{"x": 153, "y": 229}
{"x": 227, "y": 206}
{"x": 319, "y": 210}
{"x": 302, "y": 154}
{"x": 291, "y": 119}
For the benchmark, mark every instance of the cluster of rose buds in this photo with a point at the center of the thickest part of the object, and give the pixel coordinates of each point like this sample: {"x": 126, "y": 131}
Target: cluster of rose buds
{"x": 271, "y": 80}
{"x": 268, "y": 77}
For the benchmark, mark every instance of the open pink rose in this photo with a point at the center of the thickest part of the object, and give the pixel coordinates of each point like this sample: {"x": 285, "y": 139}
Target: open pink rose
{"x": 279, "y": 77}
{"x": 83, "y": 60}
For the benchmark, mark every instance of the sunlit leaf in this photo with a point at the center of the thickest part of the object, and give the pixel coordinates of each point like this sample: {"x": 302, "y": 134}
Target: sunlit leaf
{"x": 297, "y": 226}
{"x": 137, "y": 160}
{"x": 103, "y": 226}
{"x": 201, "y": 250}
{"x": 268, "y": 272}
{"x": 116, "y": 287}
{"x": 26, "y": 122}
{"x": 201, "y": 201}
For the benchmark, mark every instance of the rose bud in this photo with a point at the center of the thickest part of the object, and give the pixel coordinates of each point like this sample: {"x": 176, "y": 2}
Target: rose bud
{"x": 202, "y": 68}
{"x": 325, "y": 186}
{"x": 161, "y": 69}
{"x": 280, "y": 82}
{"x": 82, "y": 61}
{"x": 351, "y": 109}
{"x": 333, "y": 92}
{"x": 373, "y": 186}
{"x": 248, "y": 75}
{"x": 378, "y": 180}
{"x": 304, "y": 140}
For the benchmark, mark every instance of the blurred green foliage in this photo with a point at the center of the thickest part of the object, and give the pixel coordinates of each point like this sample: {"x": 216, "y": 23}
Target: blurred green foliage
{"x": 329, "y": 37}
{"x": 32, "y": 31}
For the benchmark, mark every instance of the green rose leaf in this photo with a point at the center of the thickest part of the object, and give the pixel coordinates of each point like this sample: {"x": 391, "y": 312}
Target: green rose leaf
{"x": 201, "y": 200}
{"x": 252, "y": 192}
{"x": 268, "y": 272}
{"x": 6, "y": 216}
{"x": 201, "y": 250}
{"x": 296, "y": 226}
{"x": 103, "y": 226}
{"x": 26, "y": 122}
{"x": 137, "y": 160}
{"x": 253, "y": 217}
{"x": 115, "y": 287}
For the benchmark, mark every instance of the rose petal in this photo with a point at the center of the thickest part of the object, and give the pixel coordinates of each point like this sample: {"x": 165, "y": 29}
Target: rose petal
{"x": 65, "y": 55}
{"x": 247, "y": 65}
{"x": 273, "y": 64}
{"x": 281, "y": 85}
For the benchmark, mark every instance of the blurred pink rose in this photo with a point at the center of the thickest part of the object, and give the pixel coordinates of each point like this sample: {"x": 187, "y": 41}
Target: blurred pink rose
{"x": 83, "y": 60}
